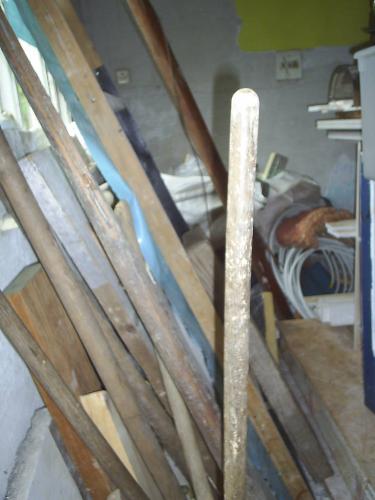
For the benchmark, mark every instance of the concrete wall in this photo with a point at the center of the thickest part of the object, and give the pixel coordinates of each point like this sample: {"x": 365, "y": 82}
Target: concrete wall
{"x": 203, "y": 36}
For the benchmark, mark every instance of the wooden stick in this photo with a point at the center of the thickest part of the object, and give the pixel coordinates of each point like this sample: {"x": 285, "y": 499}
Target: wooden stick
{"x": 196, "y": 130}
{"x": 77, "y": 305}
{"x": 42, "y": 370}
{"x": 185, "y": 430}
{"x": 242, "y": 164}
{"x": 149, "y": 302}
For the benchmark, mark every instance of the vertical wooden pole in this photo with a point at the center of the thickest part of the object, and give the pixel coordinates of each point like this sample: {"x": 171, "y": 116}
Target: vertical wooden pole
{"x": 44, "y": 372}
{"x": 242, "y": 163}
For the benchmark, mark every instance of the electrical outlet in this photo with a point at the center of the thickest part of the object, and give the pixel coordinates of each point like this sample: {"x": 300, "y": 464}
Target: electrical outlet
{"x": 288, "y": 65}
{"x": 123, "y": 76}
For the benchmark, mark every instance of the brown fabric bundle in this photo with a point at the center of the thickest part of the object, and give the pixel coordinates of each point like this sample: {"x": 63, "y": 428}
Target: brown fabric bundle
{"x": 303, "y": 229}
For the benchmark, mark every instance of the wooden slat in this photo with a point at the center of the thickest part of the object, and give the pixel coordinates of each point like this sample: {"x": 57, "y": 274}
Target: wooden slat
{"x": 36, "y": 303}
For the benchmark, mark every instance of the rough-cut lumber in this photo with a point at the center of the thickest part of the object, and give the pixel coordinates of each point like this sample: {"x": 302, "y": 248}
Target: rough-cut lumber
{"x": 77, "y": 305}
{"x": 207, "y": 265}
{"x": 156, "y": 415}
{"x": 196, "y": 130}
{"x": 36, "y": 303}
{"x": 43, "y": 370}
{"x": 87, "y": 47}
{"x": 98, "y": 406}
{"x": 150, "y": 304}
{"x": 242, "y": 164}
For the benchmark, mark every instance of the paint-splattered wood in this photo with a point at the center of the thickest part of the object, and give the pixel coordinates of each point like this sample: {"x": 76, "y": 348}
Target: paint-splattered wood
{"x": 329, "y": 374}
{"x": 35, "y": 301}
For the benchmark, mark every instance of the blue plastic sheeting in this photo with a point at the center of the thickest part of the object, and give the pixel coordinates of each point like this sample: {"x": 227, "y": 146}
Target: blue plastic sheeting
{"x": 20, "y": 16}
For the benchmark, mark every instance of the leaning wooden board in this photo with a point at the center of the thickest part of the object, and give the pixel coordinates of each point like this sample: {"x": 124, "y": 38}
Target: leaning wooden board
{"x": 328, "y": 372}
{"x": 35, "y": 301}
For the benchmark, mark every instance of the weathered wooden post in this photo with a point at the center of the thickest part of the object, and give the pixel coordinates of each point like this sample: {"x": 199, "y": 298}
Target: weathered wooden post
{"x": 242, "y": 163}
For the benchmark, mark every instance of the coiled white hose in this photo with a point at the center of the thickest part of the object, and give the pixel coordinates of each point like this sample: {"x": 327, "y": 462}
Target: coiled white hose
{"x": 287, "y": 264}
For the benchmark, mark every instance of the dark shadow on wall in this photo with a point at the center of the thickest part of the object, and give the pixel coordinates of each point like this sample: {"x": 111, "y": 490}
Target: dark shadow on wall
{"x": 226, "y": 82}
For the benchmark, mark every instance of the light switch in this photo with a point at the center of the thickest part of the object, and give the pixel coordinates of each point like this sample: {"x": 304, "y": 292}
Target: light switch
{"x": 123, "y": 76}
{"x": 288, "y": 65}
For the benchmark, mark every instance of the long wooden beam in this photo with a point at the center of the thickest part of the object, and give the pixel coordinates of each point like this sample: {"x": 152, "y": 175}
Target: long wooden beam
{"x": 77, "y": 305}
{"x": 149, "y": 302}
{"x": 44, "y": 372}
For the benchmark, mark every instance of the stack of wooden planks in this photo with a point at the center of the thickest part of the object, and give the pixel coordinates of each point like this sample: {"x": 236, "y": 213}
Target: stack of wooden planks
{"x": 115, "y": 359}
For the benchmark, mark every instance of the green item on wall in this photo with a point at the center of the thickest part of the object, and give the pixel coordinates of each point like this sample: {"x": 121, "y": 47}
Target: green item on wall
{"x": 299, "y": 24}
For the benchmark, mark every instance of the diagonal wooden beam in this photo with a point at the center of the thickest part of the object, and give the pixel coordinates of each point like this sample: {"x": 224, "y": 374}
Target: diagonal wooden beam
{"x": 196, "y": 130}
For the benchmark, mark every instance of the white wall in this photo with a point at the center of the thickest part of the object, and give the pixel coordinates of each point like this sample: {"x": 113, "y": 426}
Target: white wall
{"x": 203, "y": 36}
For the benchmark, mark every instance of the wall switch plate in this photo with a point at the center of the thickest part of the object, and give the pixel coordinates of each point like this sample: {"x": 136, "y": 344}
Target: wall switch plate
{"x": 288, "y": 65}
{"x": 123, "y": 76}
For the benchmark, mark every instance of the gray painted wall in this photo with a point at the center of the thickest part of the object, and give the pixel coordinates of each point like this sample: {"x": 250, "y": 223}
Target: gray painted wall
{"x": 203, "y": 36}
